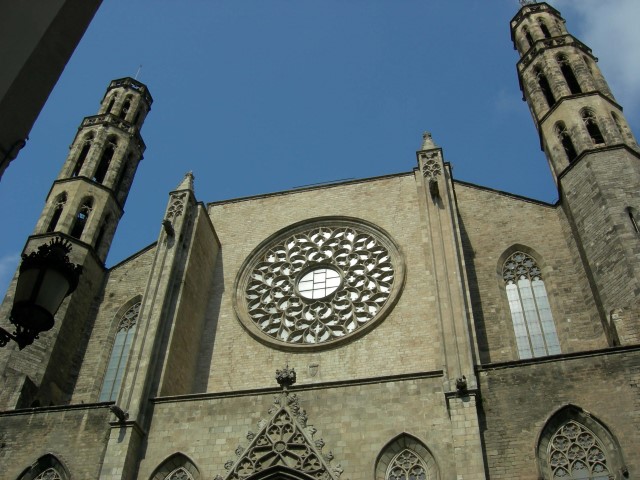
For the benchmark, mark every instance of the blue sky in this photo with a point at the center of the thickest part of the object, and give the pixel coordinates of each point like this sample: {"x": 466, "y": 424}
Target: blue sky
{"x": 257, "y": 96}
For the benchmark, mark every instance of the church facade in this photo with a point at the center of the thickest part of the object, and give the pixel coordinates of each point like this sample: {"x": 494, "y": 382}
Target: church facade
{"x": 410, "y": 326}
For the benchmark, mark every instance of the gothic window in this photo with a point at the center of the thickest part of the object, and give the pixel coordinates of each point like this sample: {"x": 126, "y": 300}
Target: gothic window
{"x": 590, "y": 122}
{"x": 176, "y": 467}
{"x": 111, "y": 102}
{"x": 574, "y": 445}
{"x": 569, "y": 76}
{"x": 527, "y": 36}
{"x": 57, "y": 212}
{"x": 81, "y": 218}
{"x": 576, "y": 453}
{"x": 82, "y": 157}
{"x": 407, "y": 465}
{"x": 406, "y": 458}
{"x": 533, "y": 324}
{"x": 122, "y": 173}
{"x": 544, "y": 29}
{"x": 102, "y": 231}
{"x": 179, "y": 473}
{"x": 543, "y": 83}
{"x": 565, "y": 140}
{"x": 125, "y": 107}
{"x": 46, "y": 467}
{"x": 120, "y": 354}
{"x": 105, "y": 160}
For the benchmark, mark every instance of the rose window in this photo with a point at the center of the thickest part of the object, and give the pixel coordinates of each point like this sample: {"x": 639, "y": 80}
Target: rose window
{"x": 317, "y": 283}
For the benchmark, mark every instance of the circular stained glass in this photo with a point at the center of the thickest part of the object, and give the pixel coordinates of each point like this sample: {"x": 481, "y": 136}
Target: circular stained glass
{"x": 317, "y": 283}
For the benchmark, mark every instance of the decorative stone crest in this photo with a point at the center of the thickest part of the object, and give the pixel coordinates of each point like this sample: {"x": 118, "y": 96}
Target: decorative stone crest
{"x": 318, "y": 283}
{"x": 176, "y": 205}
{"x": 286, "y": 377}
{"x": 284, "y": 440}
{"x": 431, "y": 166}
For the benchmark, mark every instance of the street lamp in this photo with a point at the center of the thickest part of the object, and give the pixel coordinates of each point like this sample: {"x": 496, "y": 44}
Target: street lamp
{"x": 46, "y": 277}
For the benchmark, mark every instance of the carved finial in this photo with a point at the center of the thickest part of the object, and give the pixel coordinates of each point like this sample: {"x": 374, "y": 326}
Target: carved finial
{"x": 286, "y": 377}
{"x": 187, "y": 182}
{"x": 427, "y": 141}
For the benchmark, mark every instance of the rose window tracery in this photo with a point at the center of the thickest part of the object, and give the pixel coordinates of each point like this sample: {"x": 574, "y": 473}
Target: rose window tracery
{"x": 319, "y": 283}
{"x": 576, "y": 453}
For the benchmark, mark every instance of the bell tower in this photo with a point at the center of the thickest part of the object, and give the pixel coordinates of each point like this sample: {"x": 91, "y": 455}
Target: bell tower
{"x": 594, "y": 158}
{"x": 84, "y": 207}
{"x": 87, "y": 199}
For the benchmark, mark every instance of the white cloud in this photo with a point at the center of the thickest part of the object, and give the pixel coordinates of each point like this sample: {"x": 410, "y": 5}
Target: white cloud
{"x": 611, "y": 29}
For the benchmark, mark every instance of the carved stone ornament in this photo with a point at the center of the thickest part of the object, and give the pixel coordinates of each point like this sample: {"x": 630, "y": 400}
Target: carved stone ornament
{"x": 431, "y": 166}
{"x": 284, "y": 441}
{"x": 318, "y": 283}
{"x": 176, "y": 205}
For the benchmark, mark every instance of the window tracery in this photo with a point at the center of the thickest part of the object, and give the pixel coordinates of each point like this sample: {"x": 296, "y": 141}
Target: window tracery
{"x": 81, "y": 218}
{"x": 363, "y": 272}
{"x": 49, "y": 474}
{"x": 179, "y": 473}
{"x": 120, "y": 354}
{"x": 590, "y": 122}
{"x": 575, "y": 452}
{"x": 407, "y": 466}
{"x": 565, "y": 139}
{"x": 533, "y": 323}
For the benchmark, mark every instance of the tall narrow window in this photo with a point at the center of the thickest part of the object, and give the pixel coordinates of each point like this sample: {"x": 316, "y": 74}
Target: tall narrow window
{"x": 82, "y": 157}
{"x": 125, "y": 107}
{"x": 120, "y": 354}
{"x": 81, "y": 218}
{"x": 545, "y": 87}
{"x": 57, "y": 212}
{"x": 530, "y": 310}
{"x": 105, "y": 160}
{"x": 590, "y": 122}
{"x": 111, "y": 102}
{"x": 527, "y": 36}
{"x": 567, "y": 73}
{"x": 565, "y": 140}
{"x": 102, "y": 231}
{"x": 544, "y": 28}
{"x": 576, "y": 453}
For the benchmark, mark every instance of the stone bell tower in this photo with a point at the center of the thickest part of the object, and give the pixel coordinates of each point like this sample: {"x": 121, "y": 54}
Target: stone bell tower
{"x": 84, "y": 207}
{"x": 594, "y": 158}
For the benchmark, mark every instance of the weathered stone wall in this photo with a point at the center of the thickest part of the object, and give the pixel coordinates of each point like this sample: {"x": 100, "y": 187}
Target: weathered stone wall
{"x": 492, "y": 223}
{"x": 391, "y": 203}
{"x": 124, "y": 282}
{"x": 355, "y": 421}
{"x": 518, "y": 399}
{"x": 76, "y": 436}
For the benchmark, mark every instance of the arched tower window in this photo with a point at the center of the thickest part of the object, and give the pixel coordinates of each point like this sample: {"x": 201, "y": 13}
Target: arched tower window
{"x": 565, "y": 140}
{"x": 83, "y": 156}
{"x": 544, "y": 29}
{"x": 527, "y": 36}
{"x": 105, "y": 160}
{"x": 574, "y": 445}
{"x": 590, "y": 122}
{"x": 544, "y": 86}
{"x": 81, "y": 218}
{"x": 533, "y": 324}
{"x": 404, "y": 458}
{"x": 120, "y": 354}
{"x": 47, "y": 467}
{"x": 569, "y": 76}
{"x": 103, "y": 229}
{"x": 57, "y": 211}
{"x": 125, "y": 107}
{"x": 111, "y": 102}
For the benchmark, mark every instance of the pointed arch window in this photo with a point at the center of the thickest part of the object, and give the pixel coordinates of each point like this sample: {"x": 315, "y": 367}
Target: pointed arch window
{"x": 105, "y": 160}
{"x": 125, "y": 107}
{"x": 61, "y": 200}
{"x": 575, "y": 452}
{"x": 565, "y": 140}
{"x": 180, "y": 473}
{"x": 544, "y": 29}
{"x": 111, "y": 102}
{"x": 47, "y": 467}
{"x": 120, "y": 354}
{"x": 81, "y": 218}
{"x": 407, "y": 465}
{"x": 527, "y": 36}
{"x": 83, "y": 156}
{"x": 590, "y": 122}
{"x": 543, "y": 83}
{"x": 533, "y": 324}
{"x": 569, "y": 76}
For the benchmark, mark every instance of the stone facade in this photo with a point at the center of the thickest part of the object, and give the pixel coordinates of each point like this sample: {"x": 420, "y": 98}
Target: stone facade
{"x": 437, "y": 329}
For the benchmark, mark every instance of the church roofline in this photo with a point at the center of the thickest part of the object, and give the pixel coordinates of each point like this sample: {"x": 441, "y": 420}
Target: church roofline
{"x": 508, "y": 194}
